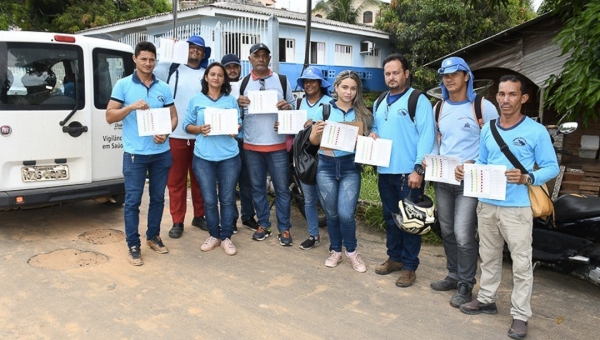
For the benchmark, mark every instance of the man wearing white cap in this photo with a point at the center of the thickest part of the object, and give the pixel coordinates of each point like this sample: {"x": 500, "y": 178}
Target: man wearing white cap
{"x": 185, "y": 82}
{"x": 458, "y": 127}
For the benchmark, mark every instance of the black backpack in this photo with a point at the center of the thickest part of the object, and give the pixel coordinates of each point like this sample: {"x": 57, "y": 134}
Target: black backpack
{"x": 412, "y": 102}
{"x": 305, "y": 154}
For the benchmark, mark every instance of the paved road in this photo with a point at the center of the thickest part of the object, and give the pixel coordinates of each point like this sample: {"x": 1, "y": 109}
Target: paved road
{"x": 75, "y": 289}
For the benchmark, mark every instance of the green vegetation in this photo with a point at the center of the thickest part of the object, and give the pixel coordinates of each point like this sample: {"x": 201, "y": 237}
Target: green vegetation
{"x": 343, "y": 10}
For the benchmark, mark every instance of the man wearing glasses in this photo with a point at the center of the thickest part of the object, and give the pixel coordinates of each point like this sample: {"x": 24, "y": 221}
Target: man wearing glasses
{"x": 264, "y": 149}
{"x": 458, "y": 135}
{"x": 412, "y": 135}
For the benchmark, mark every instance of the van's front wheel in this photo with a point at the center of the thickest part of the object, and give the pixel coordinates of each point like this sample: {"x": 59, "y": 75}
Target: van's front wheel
{"x": 116, "y": 200}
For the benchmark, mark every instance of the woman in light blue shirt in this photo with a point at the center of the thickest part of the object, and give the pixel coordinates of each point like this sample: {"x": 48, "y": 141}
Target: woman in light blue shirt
{"x": 216, "y": 158}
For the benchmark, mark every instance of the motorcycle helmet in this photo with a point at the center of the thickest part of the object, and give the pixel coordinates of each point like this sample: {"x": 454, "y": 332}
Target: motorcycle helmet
{"x": 415, "y": 218}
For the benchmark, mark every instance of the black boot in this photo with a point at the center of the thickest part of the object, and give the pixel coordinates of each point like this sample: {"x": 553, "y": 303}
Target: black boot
{"x": 176, "y": 231}
{"x": 463, "y": 294}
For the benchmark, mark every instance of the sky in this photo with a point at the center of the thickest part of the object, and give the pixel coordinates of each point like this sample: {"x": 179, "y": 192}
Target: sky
{"x": 300, "y": 5}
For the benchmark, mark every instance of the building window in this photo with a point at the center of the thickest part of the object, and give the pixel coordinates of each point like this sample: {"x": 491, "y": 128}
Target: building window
{"x": 343, "y": 55}
{"x": 317, "y": 52}
{"x": 368, "y": 17}
{"x": 287, "y": 49}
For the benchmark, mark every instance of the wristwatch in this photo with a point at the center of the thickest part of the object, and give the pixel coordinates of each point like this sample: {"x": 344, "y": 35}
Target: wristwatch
{"x": 419, "y": 169}
{"x": 528, "y": 179}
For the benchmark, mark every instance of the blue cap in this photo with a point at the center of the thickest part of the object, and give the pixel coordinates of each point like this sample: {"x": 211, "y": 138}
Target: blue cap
{"x": 230, "y": 59}
{"x": 313, "y": 72}
{"x": 454, "y": 64}
{"x": 198, "y": 41}
{"x": 257, "y": 47}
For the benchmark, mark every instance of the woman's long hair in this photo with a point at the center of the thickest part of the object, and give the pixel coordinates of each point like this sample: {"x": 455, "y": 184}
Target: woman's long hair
{"x": 363, "y": 114}
{"x": 225, "y": 88}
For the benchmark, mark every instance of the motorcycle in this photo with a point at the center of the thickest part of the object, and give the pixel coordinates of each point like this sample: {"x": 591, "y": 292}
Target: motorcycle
{"x": 569, "y": 241}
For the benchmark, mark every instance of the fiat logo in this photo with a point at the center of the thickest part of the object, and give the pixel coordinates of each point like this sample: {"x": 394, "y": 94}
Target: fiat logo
{"x": 5, "y": 130}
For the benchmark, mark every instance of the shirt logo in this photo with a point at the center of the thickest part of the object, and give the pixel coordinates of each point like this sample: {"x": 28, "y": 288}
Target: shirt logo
{"x": 519, "y": 141}
{"x": 161, "y": 98}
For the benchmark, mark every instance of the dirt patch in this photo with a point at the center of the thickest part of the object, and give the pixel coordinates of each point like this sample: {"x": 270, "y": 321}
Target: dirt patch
{"x": 102, "y": 236}
{"x": 64, "y": 259}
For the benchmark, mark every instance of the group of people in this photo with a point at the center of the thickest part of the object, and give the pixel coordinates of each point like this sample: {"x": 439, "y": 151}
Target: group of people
{"x": 216, "y": 164}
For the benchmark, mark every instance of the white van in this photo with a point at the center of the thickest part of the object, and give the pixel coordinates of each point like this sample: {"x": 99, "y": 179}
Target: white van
{"x": 55, "y": 144}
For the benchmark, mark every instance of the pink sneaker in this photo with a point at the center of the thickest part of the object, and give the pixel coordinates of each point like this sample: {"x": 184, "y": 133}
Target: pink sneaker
{"x": 357, "y": 263}
{"x": 210, "y": 244}
{"x": 228, "y": 247}
{"x": 333, "y": 259}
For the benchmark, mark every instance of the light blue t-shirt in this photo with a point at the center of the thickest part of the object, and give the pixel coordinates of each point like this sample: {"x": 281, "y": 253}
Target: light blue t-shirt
{"x": 459, "y": 131}
{"x": 314, "y": 112}
{"x": 530, "y": 143}
{"x": 211, "y": 148}
{"x": 411, "y": 141}
{"x": 129, "y": 90}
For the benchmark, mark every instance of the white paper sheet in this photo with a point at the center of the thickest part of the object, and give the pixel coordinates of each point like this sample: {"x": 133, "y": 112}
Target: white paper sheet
{"x": 485, "y": 181}
{"x": 235, "y": 89}
{"x": 173, "y": 51}
{"x": 339, "y": 136}
{"x": 221, "y": 121}
{"x": 441, "y": 169}
{"x": 373, "y": 151}
{"x": 291, "y": 121}
{"x": 154, "y": 122}
{"x": 262, "y": 102}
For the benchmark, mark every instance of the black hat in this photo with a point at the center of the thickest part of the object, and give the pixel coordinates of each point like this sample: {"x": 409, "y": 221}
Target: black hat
{"x": 260, "y": 46}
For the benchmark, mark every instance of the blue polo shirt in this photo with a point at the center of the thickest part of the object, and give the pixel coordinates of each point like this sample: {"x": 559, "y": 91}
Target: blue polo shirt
{"x": 129, "y": 90}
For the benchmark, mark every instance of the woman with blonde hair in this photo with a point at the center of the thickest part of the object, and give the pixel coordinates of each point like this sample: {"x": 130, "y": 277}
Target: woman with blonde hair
{"x": 338, "y": 177}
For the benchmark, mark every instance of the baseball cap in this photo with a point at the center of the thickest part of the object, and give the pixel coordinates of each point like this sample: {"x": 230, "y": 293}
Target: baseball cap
{"x": 257, "y": 47}
{"x": 453, "y": 64}
{"x": 230, "y": 59}
{"x": 312, "y": 72}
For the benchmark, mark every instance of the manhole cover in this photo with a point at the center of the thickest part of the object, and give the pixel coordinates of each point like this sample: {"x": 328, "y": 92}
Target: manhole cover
{"x": 103, "y": 236}
{"x": 67, "y": 259}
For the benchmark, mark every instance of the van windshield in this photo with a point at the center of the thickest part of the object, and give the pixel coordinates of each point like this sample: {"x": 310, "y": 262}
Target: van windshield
{"x": 39, "y": 76}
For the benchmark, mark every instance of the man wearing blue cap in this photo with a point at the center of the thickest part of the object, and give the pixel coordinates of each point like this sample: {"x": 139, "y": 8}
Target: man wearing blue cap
{"x": 317, "y": 93}
{"x": 233, "y": 66}
{"x": 184, "y": 81}
{"x": 264, "y": 149}
{"x": 458, "y": 130}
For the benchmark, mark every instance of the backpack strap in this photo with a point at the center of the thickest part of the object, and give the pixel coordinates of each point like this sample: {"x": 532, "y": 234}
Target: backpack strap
{"x": 378, "y": 101}
{"x": 173, "y": 69}
{"x": 412, "y": 103}
{"x": 283, "y": 81}
{"x": 298, "y": 103}
{"x": 326, "y": 111}
{"x": 478, "y": 110}
{"x": 437, "y": 109}
{"x": 244, "y": 83}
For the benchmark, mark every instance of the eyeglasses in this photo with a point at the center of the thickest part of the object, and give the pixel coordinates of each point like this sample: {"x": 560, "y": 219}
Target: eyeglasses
{"x": 262, "y": 84}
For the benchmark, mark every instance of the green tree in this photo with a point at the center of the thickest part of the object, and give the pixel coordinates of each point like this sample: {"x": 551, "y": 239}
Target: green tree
{"x": 424, "y": 30}
{"x": 344, "y": 10}
{"x": 70, "y": 16}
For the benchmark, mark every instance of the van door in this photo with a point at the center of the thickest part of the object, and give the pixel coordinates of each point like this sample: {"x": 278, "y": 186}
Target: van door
{"x": 44, "y": 83}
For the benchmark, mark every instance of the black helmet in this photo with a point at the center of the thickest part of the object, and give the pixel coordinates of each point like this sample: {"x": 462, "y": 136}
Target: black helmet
{"x": 415, "y": 218}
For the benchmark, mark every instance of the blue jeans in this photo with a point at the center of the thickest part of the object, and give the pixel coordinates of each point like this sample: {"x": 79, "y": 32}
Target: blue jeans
{"x": 246, "y": 202}
{"x": 221, "y": 174}
{"x": 401, "y": 246}
{"x": 338, "y": 179}
{"x": 135, "y": 168}
{"x": 278, "y": 165}
{"x": 458, "y": 221}
{"x": 310, "y": 193}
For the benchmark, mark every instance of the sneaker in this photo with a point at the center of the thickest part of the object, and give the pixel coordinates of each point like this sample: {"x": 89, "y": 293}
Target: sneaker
{"x": 518, "y": 329}
{"x": 251, "y": 223}
{"x": 235, "y": 229}
{"x": 333, "y": 259}
{"x": 200, "y": 222}
{"x": 285, "y": 238}
{"x": 310, "y": 242}
{"x": 228, "y": 247}
{"x": 210, "y": 244}
{"x": 476, "y": 307}
{"x": 157, "y": 245}
{"x": 176, "y": 231}
{"x": 463, "y": 295}
{"x": 388, "y": 266}
{"x": 406, "y": 279}
{"x": 447, "y": 283}
{"x": 261, "y": 233}
{"x": 357, "y": 263}
{"x": 135, "y": 256}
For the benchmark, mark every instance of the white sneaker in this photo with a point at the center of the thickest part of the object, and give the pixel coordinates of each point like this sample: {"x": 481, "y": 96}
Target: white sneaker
{"x": 210, "y": 244}
{"x": 228, "y": 247}
{"x": 357, "y": 263}
{"x": 333, "y": 259}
